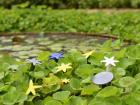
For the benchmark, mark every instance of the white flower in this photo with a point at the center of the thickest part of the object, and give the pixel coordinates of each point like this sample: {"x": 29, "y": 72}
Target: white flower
{"x": 109, "y": 61}
{"x": 13, "y": 67}
{"x": 34, "y": 61}
{"x": 102, "y": 78}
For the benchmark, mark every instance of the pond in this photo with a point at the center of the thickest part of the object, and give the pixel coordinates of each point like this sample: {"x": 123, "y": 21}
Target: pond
{"x": 110, "y": 73}
{"x": 25, "y": 45}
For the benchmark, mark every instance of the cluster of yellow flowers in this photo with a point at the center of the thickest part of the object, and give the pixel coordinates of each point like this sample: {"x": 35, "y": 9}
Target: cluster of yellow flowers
{"x": 63, "y": 67}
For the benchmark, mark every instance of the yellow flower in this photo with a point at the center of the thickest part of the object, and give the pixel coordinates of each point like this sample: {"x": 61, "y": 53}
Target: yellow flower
{"x": 32, "y": 88}
{"x": 65, "y": 80}
{"x": 63, "y": 67}
{"x": 88, "y": 54}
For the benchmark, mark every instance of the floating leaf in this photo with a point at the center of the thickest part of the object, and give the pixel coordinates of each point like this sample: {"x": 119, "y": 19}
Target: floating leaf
{"x": 90, "y": 89}
{"x": 85, "y": 70}
{"x": 126, "y": 81}
{"x": 52, "y": 80}
{"x": 96, "y": 58}
{"x": 106, "y": 101}
{"x": 52, "y": 102}
{"x": 50, "y": 89}
{"x": 75, "y": 100}
{"x": 133, "y": 52}
{"x": 132, "y": 98}
{"x": 11, "y": 97}
{"x": 75, "y": 84}
{"x": 120, "y": 72}
{"x": 38, "y": 74}
{"x": 108, "y": 92}
{"x": 62, "y": 95}
{"x": 43, "y": 55}
{"x": 2, "y": 74}
{"x": 125, "y": 62}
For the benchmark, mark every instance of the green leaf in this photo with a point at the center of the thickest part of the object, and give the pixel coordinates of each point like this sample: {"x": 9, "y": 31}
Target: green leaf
{"x": 38, "y": 74}
{"x": 85, "y": 70}
{"x": 132, "y": 98}
{"x": 4, "y": 87}
{"x": 86, "y": 80}
{"x": 62, "y": 95}
{"x": 75, "y": 84}
{"x": 108, "y": 92}
{"x": 43, "y": 55}
{"x": 125, "y": 62}
{"x": 120, "y": 54}
{"x": 50, "y": 89}
{"x": 98, "y": 102}
{"x": 119, "y": 72}
{"x": 75, "y": 100}
{"x": 126, "y": 81}
{"x": 133, "y": 52}
{"x": 96, "y": 58}
{"x": 52, "y": 102}
{"x": 51, "y": 80}
{"x": 90, "y": 89}
{"x": 76, "y": 58}
{"x": 137, "y": 76}
{"x": 1, "y": 75}
{"x": 11, "y": 97}
{"x": 107, "y": 46}
{"x": 22, "y": 97}
{"x": 106, "y": 101}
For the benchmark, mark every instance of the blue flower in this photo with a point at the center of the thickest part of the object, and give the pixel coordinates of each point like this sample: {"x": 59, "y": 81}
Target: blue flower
{"x": 56, "y": 56}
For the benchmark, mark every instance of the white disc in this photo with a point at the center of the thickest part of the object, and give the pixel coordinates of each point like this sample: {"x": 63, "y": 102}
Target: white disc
{"x": 102, "y": 78}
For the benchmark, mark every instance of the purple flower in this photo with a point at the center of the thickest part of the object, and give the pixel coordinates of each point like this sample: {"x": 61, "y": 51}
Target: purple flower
{"x": 102, "y": 78}
{"x": 56, "y": 56}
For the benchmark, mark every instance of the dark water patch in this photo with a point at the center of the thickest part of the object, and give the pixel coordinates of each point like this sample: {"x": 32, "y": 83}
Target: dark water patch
{"x": 25, "y": 45}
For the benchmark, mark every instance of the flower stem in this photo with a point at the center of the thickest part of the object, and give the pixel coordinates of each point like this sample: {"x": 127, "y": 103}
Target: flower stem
{"x": 32, "y": 67}
{"x": 108, "y": 68}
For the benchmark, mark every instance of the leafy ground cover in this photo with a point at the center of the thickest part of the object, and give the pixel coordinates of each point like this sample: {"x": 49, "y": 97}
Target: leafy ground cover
{"x": 73, "y": 77}
{"x": 38, "y": 19}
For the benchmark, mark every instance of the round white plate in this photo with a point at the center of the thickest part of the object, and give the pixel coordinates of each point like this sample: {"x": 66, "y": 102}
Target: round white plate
{"x": 102, "y": 78}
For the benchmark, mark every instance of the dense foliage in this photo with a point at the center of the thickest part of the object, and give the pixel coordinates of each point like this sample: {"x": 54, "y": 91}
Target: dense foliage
{"x": 71, "y": 86}
{"x": 123, "y": 24}
{"x": 76, "y": 3}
